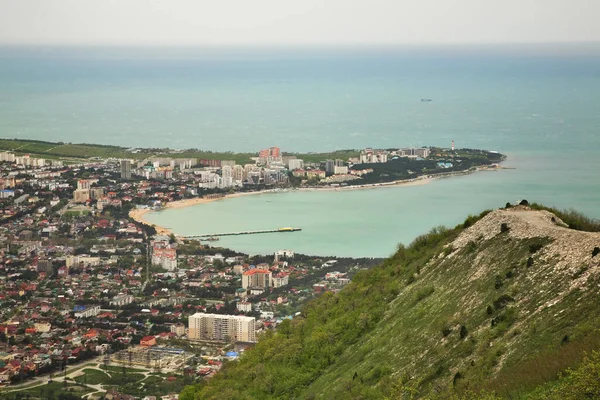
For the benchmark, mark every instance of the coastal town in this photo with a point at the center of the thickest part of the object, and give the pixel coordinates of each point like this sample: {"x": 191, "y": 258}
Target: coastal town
{"x": 93, "y": 298}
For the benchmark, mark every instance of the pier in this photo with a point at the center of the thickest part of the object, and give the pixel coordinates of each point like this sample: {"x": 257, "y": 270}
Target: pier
{"x": 278, "y": 230}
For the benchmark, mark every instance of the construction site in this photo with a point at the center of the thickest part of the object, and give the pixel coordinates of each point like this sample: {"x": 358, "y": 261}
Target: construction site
{"x": 159, "y": 358}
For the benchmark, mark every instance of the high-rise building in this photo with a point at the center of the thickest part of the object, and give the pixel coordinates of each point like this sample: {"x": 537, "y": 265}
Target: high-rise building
{"x": 83, "y": 184}
{"x": 256, "y": 278}
{"x": 295, "y": 163}
{"x": 229, "y": 328}
{"x": 126, "y": 169}
{"x": 81, "y": 195}
{"x": 329, "y": 167}
{"x": 238, "y": 173}
{"x": 272, "y": 154}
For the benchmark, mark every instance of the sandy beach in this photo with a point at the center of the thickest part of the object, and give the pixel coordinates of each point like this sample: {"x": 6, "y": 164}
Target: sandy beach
{"x": 139, "y": 213}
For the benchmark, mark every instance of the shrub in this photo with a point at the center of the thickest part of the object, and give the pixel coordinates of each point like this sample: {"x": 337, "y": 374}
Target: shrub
{"x": 535, "y": 247}
{"x": 529, "y": 262}
{"x": 524, "y": 203}
{"x": 456, "y": 378}
{"x": 596, "y": 251}
{"x": 502, "y": 301}
{"x": 498, "y": 284}
{"x": 463, "y": 332}
{"x": 471, "y": 246}
{"x": 489, "y": 310}
{"x": 446, "y": 329}
{"x": 504, "y": 227}
{"x": 423, "y": 293}
{"x": 508, "y": 205}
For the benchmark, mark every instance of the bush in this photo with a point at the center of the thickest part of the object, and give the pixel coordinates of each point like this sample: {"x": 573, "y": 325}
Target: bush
{"x": 498, "y": 284}
{"x": 463, "y": 331}
{"x": 524, "y": 203}
{"x": 489, "y": 310}
{"x": 446, "y": 329}
{"x": 423, "y": 293}
{"x": 529, "y": 262}
{"x": 535, "y": 247}
{"x": 471, "y": 246}
{"x": 504, "y": 227}
{"x": 456, "y": 378}
{"x": 502, "y": 301}
{"x": 596, "y": 251}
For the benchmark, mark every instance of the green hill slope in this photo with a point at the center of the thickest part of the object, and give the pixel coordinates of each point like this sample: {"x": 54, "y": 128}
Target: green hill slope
{"x": 503, "y": 303}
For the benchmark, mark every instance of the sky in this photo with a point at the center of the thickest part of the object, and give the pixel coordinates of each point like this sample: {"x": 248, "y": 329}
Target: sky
{"x": 296, "y": 22}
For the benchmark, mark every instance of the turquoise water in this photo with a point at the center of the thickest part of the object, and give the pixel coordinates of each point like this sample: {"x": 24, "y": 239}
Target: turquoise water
{"x": 540, "y": 108}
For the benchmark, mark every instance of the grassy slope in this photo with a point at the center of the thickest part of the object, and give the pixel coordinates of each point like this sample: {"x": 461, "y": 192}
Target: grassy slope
{"x": 416, "y": 328}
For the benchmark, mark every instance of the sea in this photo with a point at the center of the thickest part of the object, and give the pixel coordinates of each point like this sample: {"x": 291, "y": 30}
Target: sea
{"x": 538, "y": 104}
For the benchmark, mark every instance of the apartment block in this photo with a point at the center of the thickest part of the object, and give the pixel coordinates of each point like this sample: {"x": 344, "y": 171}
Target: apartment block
{"x": 228, "y": 328}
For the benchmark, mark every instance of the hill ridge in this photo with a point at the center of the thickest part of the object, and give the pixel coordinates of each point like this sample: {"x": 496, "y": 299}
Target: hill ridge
{"x": 504, "y": 302}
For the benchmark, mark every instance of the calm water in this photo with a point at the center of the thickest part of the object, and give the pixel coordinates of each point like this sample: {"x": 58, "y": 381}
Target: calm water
{"x": 540, "y": 108}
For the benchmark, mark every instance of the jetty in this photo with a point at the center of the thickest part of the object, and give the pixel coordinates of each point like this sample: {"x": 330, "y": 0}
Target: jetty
{"x": 214, "y": 235}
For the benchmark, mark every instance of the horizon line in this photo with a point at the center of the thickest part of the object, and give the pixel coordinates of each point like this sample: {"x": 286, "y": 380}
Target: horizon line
{"x": 297, "y": 45}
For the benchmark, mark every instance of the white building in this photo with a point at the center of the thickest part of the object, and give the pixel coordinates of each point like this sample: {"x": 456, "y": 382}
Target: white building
{"x": 283, "y": 254}
{"x": 244, "y": 306}
{"x": 121, "y": 300}
{"x": 82, "y": 259}
{"x": 280, "y": 280}
{"x": 295, "y": 163}
{"x": 87, "y": 311}
{"x": 178, "y": 329}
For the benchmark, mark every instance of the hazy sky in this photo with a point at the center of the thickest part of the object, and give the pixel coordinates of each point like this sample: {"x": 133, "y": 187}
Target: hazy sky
{"x": 215, "y": 22}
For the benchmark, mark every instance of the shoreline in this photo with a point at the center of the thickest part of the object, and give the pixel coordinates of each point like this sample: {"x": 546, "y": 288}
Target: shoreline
{"x": 139, "y": 213}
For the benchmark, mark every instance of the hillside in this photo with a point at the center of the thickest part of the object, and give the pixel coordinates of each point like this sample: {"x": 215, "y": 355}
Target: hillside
{"x": 500, "y": 304}
{"x": 82, "y": 151}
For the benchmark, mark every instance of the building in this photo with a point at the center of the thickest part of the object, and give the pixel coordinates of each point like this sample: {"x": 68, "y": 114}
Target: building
{"x": 42, "y": 327}
{"x": 45, "y": 266}
{"x": 415, "y": 152}
{"x": 83, "y": 184}
{"x": 121, "y": 300}
{"x": 126, "y": 169}
{"x": 279, "y": 280}
{"x": 295, "y": 163}
{"x": 228, "y": 328}
{"x": 86, "y": 311}
{"x": 81, "y": 195}
{"x": 281, "y": 254}
{"x": 96, "y": 193}
{"x": 315, "y": 173}
{"x": 244, "y": 306}
{"x": 272, "y": 154}
{"x": 178, "y": 329}
{"x": 256, "y": 278}
{"x": 83, "y": 259}
{"x": 340, "y": 170}
{"x": 166, "y": 257}
{"x": 329, "y": 167}
{"x": 148, "y": 341}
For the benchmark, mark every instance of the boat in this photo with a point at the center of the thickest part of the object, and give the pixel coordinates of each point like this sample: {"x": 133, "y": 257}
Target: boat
{"x": 426, "y": 100}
